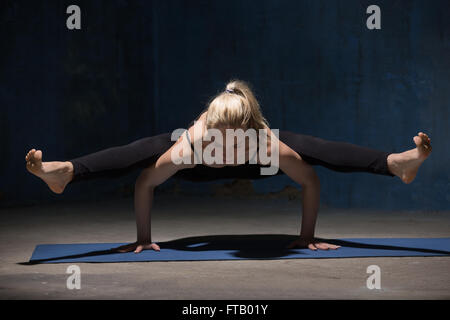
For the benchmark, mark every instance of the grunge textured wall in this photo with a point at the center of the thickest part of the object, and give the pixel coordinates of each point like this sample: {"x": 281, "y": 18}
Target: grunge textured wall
{"x": 138, "y": 68}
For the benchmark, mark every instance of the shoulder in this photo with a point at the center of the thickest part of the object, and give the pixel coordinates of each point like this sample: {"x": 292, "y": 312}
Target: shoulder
{"x": 197, "y": 130}
{"x": 203, "y": 116}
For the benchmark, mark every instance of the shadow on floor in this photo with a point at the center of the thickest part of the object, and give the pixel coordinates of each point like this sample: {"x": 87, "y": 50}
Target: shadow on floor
{"x": 251, "y": 246}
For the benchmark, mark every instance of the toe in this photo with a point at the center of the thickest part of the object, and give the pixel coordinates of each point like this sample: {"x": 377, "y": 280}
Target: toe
{"x": 38, "y": 155}
{"x": 423, "y": 138}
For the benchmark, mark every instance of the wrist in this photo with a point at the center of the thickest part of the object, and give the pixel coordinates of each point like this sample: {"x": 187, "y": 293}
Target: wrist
{"x": 144, "y": 240}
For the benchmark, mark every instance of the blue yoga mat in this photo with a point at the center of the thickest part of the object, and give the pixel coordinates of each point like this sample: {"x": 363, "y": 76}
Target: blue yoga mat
{"x": 241, "y": 247}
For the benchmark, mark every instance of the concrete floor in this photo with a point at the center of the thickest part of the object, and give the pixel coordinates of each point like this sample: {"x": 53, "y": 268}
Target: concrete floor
{"x": 181, "y": 216}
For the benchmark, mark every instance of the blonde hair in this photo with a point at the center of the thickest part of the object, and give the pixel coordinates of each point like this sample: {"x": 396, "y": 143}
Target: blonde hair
{"x": 235, "y": 107}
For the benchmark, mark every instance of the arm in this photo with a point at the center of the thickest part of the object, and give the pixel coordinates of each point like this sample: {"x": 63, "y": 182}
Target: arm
{"x": 147, "y": 181}
{"x": 304, "y": 174}
{"x": 145, "y": 185}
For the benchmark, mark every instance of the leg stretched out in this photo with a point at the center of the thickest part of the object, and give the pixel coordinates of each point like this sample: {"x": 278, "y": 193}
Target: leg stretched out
{"x": 108, "y": 163}
{"x": 335, "y": 155}
{"x": 348, "y": 157}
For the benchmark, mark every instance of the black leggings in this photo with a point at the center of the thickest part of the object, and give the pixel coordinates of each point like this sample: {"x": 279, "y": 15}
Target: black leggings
{"x": 335, "y": 155}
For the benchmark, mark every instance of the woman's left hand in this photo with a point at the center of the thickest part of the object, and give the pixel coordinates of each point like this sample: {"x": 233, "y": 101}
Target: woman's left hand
{"x": 312, "y": 244}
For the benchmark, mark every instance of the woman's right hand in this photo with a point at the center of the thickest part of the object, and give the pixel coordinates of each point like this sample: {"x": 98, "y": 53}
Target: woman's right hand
{"x": 137, "y": 247}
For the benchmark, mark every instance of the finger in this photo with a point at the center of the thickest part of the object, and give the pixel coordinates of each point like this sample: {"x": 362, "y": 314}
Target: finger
{"x": 322, "y": 246}
{"x": 333, "y": 247}
{"x": 155, "y": 247}
{"x": 312, "y": 247}
{"x": 138, "y": 249}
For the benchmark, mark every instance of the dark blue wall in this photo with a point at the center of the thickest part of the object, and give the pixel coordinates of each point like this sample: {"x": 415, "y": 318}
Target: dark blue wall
{"x": 138, "y": 68}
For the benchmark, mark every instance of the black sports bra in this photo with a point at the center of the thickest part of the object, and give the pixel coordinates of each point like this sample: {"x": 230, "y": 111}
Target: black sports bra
{"x": 246, "y": 162}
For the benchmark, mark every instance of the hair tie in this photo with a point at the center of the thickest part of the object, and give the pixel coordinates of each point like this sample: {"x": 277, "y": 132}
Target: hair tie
{"x": 229, "y": 90}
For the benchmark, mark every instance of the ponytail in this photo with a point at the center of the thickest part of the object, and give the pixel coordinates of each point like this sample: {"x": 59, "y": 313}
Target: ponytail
{"x": 237, "y": 106}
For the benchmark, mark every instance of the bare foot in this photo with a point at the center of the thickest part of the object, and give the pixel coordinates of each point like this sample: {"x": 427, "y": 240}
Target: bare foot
{"x": 56, "y": 174}
{"x": 406, "y": 164}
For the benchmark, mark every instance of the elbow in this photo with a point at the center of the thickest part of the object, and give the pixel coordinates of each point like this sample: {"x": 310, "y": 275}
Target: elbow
{"x": 146, "y": 180}
{"x": 144, "y": 184}
{"x": 312, "y": 180}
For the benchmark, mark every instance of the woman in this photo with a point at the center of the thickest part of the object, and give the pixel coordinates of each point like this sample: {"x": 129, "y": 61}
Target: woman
{"x": 235, "y": 108}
